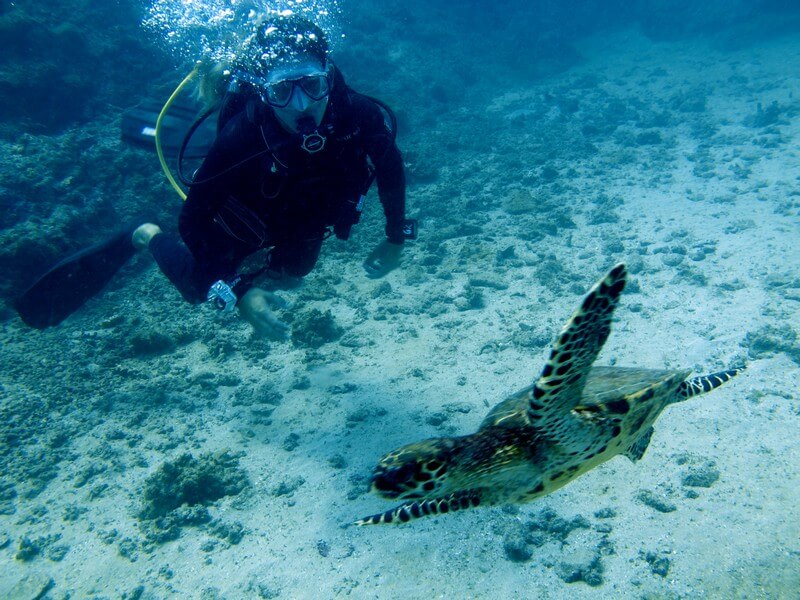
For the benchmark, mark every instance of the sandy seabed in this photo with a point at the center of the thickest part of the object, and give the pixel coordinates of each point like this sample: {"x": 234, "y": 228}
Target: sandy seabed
{"x": 679, "y": 159}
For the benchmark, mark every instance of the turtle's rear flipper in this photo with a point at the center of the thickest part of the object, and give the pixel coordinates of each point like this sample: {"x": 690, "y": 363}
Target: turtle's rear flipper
{"x": 423, "y": 508}
{"x": 705, "y": 383}
{"x": 70, "y": 283}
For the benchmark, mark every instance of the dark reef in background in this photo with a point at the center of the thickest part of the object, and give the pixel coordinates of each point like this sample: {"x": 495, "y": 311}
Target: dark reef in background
{"x": 524, "y": 32}
{"x": 464, "y": 46}
{"x": 63, "y": 62}
{"x": 67, "y": 70}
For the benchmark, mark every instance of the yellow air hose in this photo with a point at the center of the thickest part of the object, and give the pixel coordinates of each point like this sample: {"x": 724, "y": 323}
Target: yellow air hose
{"x": 160, "y": 119}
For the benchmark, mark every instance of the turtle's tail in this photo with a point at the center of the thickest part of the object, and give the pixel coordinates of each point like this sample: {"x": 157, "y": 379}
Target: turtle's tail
{"x": 705, "y": 383}
{"x": 423, "y": 508}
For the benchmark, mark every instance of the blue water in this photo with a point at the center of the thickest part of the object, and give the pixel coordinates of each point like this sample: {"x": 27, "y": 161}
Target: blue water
{"x": 155, "y": 449}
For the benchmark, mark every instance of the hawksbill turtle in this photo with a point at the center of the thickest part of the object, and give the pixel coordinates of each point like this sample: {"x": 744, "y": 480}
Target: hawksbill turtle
{"x": 573, "y": 418}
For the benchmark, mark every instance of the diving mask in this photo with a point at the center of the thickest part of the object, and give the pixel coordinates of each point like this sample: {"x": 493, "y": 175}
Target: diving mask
{"x": 298, "y": 94}
{"x": 277, "y": 88}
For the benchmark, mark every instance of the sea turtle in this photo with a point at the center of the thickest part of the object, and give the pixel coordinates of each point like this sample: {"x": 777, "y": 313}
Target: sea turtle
{"x": 573, "y": 418}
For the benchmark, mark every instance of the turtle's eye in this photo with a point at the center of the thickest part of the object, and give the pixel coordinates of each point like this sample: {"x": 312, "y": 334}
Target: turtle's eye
{"x": 404, "y": 473}
{"x": 413, "y": 471}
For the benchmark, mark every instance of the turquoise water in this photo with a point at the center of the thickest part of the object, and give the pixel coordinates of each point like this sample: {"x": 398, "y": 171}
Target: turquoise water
{"x": 154, "y": 449}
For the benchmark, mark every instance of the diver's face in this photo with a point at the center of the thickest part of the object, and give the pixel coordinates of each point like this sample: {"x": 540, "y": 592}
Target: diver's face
{"x": 298, "y": 94}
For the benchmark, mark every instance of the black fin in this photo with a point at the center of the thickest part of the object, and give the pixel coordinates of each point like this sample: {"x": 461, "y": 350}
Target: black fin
{"x": 138, "y": 128}
{"x": 70, "y": 283}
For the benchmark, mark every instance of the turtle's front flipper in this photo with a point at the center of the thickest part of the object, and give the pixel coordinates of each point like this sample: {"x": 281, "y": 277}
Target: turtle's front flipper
{"x": 423, "y": 508}
{"x": 559, "y": 388}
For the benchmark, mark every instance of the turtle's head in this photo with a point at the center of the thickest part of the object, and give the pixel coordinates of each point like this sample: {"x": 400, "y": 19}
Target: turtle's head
{"x": 415, "y": 471}
{"x": 427, "y": 477}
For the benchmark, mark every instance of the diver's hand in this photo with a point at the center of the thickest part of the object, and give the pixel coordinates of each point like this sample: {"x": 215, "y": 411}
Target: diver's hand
{"x": 383, "y": 259}
{"x": 255, "y": 309}
{"x": 143, "y": 234}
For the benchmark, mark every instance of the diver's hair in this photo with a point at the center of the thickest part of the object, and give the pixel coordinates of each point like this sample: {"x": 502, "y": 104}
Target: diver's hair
{"x": 268, "y": 40}
{"x": 212, "y": 83}
{"x": 277, "y": 38}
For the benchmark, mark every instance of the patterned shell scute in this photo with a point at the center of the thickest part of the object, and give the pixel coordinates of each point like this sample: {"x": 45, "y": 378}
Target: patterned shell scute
{"x": 607, "y": 383}
{"x": 511, "y": 412}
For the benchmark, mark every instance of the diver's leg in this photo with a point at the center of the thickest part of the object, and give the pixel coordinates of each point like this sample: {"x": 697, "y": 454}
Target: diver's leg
{"x": 180, "y": 267}
{"x": 190, "y": 274}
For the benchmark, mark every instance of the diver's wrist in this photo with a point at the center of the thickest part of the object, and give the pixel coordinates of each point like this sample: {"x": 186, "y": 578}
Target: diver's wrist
{"x": 226, "y": 294}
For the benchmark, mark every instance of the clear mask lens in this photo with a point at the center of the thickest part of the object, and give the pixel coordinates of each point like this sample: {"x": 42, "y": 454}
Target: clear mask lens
{"x": 316, "y": 87}
{"x": 278, "y": 94}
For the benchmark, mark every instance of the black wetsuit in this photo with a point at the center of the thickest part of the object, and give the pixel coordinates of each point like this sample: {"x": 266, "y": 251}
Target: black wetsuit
{"x": 257, "y": 188}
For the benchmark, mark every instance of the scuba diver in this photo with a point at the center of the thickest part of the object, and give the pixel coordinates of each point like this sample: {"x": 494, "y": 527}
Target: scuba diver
{"x": 295, "y": 152}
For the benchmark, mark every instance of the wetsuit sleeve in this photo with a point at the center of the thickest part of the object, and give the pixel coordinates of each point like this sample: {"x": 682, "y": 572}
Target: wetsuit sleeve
{"x": 389, "y": 170}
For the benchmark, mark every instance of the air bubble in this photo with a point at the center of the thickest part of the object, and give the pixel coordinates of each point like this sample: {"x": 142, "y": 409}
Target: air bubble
{"x": 217, "y": 30}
